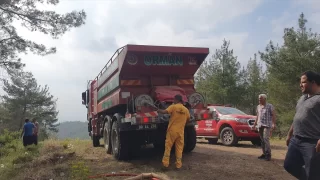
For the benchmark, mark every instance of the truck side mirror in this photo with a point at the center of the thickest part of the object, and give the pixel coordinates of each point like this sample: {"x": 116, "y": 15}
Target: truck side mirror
{"x": 84, "y": 98}
{"x": 214, "y": 114}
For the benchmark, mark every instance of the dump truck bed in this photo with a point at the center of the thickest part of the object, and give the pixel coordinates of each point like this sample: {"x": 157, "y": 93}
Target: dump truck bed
{"x": 136, "y": 69}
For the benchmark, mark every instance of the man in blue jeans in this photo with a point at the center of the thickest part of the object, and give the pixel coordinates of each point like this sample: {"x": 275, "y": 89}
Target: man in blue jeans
{"x": 303, "y": 140}
{"x": 27, "y": 133}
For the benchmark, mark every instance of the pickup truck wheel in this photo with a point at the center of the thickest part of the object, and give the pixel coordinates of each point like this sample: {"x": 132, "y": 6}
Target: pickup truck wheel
{"x": 256, "y": 142}
{"x": 95, "y": 141}
{"x": 228, "y": 137}
{"x": 119, "y": 141}
{"x": 106, "y": 137}
{"x": 190, "y": 139}
{"x": 212, "y": 141}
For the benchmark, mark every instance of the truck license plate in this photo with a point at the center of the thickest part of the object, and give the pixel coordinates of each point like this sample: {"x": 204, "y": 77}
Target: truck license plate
{"x": 147, "y": 126}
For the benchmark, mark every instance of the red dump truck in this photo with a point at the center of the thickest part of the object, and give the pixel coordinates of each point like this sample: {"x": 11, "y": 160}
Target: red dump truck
{"x": 121, "y": 100}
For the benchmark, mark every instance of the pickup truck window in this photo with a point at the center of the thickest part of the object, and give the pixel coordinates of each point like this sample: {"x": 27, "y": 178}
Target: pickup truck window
{"x": 229, "y": 110}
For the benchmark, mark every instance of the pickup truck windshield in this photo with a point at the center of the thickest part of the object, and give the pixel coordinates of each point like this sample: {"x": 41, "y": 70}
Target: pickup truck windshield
{"x": 229, "y": 110}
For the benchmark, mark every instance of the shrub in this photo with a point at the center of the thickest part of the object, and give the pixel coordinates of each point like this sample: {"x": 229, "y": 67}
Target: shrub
{"x": 79, "y": 170}
{"x": 7, "y": 137}
{"x": 13, "y": 154}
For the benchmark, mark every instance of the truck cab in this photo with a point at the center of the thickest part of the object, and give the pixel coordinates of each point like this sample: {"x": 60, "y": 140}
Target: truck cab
{"x": 230, "y": 125}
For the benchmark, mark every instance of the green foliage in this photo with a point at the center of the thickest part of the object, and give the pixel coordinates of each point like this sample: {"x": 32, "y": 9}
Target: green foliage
{"x": 33, "y": 19}
{"x": 300, "y": 52}
{"x": 22, "y": 158}
{"x": 218, "y": 79}
{"x": 26, "y": 99}
{"x": 13, "y": 153}
{"x": 254, "y": 84}
{"x": 223, "y": 82}
{"x": 7, "y": 137}
{"x": 79, "y": 170}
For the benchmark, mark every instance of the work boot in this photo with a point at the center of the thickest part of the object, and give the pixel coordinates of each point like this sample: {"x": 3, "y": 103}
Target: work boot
{"x": 262, "y": 156}
{"x": 268, "y": 158}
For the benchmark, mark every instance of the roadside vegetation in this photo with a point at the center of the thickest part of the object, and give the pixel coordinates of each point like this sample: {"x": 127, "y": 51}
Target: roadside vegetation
{"x": 50, "y": 159}
{"x": 77, "y": 160}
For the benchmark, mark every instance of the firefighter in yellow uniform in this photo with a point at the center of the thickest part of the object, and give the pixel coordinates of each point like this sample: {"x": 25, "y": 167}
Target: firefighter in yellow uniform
{"x": 179, "y": 115}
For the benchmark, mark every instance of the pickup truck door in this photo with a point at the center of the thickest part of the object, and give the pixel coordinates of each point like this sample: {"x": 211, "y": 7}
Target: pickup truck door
{"x": 200, "y": 127}
{"x": 215, "y": 120}
{"x": 206, "y": 127}
{"x": 212, "y": 128}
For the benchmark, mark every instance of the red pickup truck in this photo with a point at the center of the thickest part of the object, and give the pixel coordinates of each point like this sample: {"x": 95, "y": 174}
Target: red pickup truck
{"x": 230, "y": 125}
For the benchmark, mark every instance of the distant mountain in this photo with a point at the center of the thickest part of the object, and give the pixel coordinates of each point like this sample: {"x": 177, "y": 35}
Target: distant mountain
{"x": 73, "y": 130}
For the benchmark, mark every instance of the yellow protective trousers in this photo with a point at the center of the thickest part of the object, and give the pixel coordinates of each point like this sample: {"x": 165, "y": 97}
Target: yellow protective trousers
{"x": 177, "y": 138}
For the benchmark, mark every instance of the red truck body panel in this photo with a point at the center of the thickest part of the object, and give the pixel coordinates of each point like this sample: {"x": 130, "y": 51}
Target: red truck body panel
{"x": 213, "y": 127}
{"x": 137, "y": 69}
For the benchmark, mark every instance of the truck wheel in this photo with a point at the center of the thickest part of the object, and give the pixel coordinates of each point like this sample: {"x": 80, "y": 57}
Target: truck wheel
{"x": 119, "y": 141}
{"x": 95, "y": 141}
{"x": 228, "y": 137}
{"x": 256, "y": 142}
{"x": 190, "y": 139}
{"x": 212, "y": 141}
{"x": 106, "y": 136}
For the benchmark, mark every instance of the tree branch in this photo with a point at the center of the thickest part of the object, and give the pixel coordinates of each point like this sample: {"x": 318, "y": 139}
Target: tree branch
{"x": 3, "y": 40}
{"x": 25, "y": 15}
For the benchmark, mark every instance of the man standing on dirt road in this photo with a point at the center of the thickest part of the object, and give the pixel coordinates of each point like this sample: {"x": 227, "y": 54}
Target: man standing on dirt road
{"x": 266, "y": 121}
{"x": 303, "y": 138}
{"x": 179, "y": 115}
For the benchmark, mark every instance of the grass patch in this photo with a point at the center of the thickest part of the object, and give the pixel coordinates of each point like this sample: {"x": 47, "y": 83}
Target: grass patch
{"x": 13, "y": 155}
{"x": 79, "y": 170}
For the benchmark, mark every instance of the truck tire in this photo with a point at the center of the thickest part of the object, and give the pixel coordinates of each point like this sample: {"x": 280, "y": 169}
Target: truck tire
{"x": 106, "y": 135}
{"x": 190, "y": 139}
{"x": 119, "y": 143}
{"x": 228, "y": 137}
{"x": 95, "y": 141}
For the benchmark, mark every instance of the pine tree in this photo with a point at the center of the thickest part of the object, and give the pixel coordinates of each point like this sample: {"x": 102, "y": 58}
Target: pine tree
{"x": 26, "y": 99}
{"x": 256, "y": 83}
{"x": 300, "y": 52}
{"x": 219, "y": 78}
{"x": 27, "y": 12}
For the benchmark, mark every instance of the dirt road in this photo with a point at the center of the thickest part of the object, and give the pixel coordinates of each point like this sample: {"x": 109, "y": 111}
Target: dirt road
{"x": 205, "y": 162}
{"x": 77, "y": 159}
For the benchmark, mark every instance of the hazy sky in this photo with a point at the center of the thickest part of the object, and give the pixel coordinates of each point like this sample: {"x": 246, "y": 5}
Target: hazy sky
{"x": 110, "y": 24}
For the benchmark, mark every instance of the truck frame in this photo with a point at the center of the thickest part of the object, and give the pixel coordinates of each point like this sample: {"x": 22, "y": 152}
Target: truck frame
{"x": 121, "y": 100}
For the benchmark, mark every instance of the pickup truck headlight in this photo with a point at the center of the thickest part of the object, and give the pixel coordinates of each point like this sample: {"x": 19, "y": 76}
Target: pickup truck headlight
{"x": 244, "y": 121}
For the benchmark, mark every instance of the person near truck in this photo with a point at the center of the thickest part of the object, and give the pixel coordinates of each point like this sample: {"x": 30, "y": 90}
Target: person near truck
{"x": 179, "y": 115}
{"x": 35, "y": 131}
{"x": 265, "y": 122}
{"x": 303, "y": 139}
{"x": 27, "y": 133}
